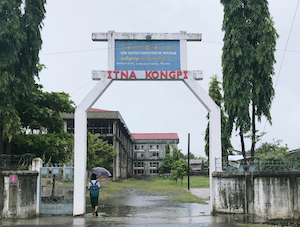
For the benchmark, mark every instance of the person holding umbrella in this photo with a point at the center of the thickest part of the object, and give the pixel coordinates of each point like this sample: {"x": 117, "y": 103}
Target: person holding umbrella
{"x": 94, "y": 186}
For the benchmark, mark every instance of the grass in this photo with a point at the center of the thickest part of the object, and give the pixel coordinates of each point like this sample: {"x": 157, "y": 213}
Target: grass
{"x": 265, "y": 225}
{"x": 175, "y": 190}
{"x": 255, "y": 225}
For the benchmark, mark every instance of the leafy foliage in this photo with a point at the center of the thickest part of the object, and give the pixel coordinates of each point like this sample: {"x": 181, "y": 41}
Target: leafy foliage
{"x": 20, "y": 43}
{"x": 247, "y": 60}
{"x": 23, "y": 105}
{"x": 51, "y": 147}
{"x": 180, "y": 168}
{"x": 43, "y": 132}
{"x": 202, "y": 166}
{"x": 174, "y": 164}
{"x": 215, "y": 94}
{"x": 167, "y": 165}
{"x": 192, "y": 156}
{"x": 167, "y": 148}
{"x": 100, "y": 153}
{"x": 270, "y": 149}
{"x": 176, "y": 154}
{"x": 273, "y": 156}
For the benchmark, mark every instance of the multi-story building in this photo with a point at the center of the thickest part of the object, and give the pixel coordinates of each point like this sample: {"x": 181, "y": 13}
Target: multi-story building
{"x": 139, "y": 153}
{"x": 150, "y": 150}
{"x": 111, "y": 128}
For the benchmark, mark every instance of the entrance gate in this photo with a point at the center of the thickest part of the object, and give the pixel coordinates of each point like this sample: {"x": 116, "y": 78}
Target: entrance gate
{"x": 123, "y": 65}
{"x": 56, "y": 192}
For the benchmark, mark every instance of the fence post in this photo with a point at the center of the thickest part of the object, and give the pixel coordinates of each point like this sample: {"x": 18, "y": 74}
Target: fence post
{"x": 37, "y": 163}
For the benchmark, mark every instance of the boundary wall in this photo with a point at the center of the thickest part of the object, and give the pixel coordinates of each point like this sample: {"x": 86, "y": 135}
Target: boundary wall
{"x": 18, "y": 200}
{"x": 269, "y": 195}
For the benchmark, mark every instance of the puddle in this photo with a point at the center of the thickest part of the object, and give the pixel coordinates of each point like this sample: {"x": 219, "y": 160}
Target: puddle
{"x": 141, "y": 204}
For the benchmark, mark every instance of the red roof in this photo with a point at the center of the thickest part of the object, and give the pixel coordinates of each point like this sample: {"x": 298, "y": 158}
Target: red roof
{"x": 140, "y": 136}
{"x": 96, "y": 110}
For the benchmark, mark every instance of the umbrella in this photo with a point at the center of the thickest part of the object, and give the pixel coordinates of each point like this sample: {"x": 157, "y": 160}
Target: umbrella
{"x": 100, "y": 171}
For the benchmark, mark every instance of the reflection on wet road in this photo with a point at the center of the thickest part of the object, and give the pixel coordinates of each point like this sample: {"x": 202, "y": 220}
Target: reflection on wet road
{"x": 131, "y": 207}
{"x": 145, "y": 204}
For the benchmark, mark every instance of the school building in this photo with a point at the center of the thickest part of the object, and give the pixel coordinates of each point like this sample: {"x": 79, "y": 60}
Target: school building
{"x": 136, "y": 153}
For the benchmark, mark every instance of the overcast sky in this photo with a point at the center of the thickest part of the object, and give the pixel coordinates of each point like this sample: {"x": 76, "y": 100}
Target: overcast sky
{"x": 165, "y": 107}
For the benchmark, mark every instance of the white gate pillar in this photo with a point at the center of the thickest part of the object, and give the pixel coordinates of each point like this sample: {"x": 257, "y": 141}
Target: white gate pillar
{"x": 215, "y": 145}
{"x": 80, "y": 145}
{"x": 36, "y": 165}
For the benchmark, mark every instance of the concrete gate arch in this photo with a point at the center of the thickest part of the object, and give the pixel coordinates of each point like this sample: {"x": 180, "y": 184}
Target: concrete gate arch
{"x": 80, "y": 126}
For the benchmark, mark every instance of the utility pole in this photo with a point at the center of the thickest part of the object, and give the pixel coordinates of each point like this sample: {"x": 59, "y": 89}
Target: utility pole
{"x": 188, "y": 173}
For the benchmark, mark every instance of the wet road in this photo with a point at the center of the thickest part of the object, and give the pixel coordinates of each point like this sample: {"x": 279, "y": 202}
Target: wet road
{"x": 131, "y": 207}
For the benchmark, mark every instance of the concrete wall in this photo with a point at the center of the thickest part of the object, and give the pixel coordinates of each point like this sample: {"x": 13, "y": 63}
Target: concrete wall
{"x": 123, "y": 145}
{"x": 18, "y": 200}
{"x": 269, "y": 195}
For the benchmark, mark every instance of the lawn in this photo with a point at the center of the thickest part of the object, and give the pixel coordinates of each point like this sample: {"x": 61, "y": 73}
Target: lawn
{"x": 176, "y": 190}
{"x": 265, "y": 225}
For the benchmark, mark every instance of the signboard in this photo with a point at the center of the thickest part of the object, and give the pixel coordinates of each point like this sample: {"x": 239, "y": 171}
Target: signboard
{"x": 13, "y": 179}
{"x": 152, "y": 55}
{"x": 147, "y": 75}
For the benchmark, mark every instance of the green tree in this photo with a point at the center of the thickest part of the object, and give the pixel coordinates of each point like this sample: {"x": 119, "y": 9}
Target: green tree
{"x": 247, "y": 61}
{"x": 202, "y": 166}
{"x": 273, "y": 156}
{"x": 179, "y": 169}
{"x": 215, "y": 93}
{"x": 192, "y": 156}
{"x": 42, "y": 127}
{"x": 51, "y": 147}
{"x": 167, "y": 164}
{"x": 20, "y": 43}
{"x": 167, "y": 148}
{"x": 100, "y": 153}
{"x": 176, "y": 153}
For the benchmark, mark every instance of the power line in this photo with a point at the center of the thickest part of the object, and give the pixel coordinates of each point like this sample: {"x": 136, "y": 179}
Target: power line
{"x": 285, "y": 50}
{"x": 74, "y": 51}
{"x": 287, "y": 42}
{"x": 89, "y": 50}
{"x": 81, "y": 87}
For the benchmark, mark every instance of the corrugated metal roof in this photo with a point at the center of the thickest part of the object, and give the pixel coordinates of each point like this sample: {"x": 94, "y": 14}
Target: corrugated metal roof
{"x": 140, "y": 136}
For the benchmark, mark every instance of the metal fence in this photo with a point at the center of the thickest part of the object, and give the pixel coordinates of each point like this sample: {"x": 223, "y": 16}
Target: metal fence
{"x": 56, "y": 193}
{"x": 274, "y": 165}
{"x": 16, "y": 162}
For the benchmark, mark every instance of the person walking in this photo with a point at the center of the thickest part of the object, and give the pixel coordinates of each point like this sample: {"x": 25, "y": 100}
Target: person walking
{"x": 94, "y": 186}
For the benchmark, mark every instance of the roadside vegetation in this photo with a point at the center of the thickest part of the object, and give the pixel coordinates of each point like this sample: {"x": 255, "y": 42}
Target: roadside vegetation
{"x": 175, "y": 190}
{"x": 266, "y": 225}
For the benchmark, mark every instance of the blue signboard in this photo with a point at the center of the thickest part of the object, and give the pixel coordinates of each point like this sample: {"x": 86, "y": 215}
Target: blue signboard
{"x": 147, "y": 55}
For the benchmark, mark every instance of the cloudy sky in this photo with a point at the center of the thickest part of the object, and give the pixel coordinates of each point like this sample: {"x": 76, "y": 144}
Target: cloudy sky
{"x": 161, "y": 107}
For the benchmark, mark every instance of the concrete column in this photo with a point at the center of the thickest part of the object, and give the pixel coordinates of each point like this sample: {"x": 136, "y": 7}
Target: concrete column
{"x": 79, "y": 200}
{"x": 117, "y": 149}
{"x": 80, "y": 144}
{"x": 183, "y": 50}
{"x": 215, "y": 147}
{"x": 37, "y": 163}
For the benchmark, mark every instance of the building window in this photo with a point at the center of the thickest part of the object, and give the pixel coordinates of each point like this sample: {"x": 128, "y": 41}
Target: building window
{"x": 139, "y": 164}
{"x": 139, "y": 171}
{"x": 153, "y": 171}
{"x": 138, "y": 154}
{"x": 154, "y": 147}
{"x": 154, "y": 154}
{"x": 139, "y": 147}
{"x": 70, "y": 125}
{"x": 154, "y": 164}
{"x": 139, "y": 167}
{"x": 103, "y": 127}
{"x": 110, "y": 127}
